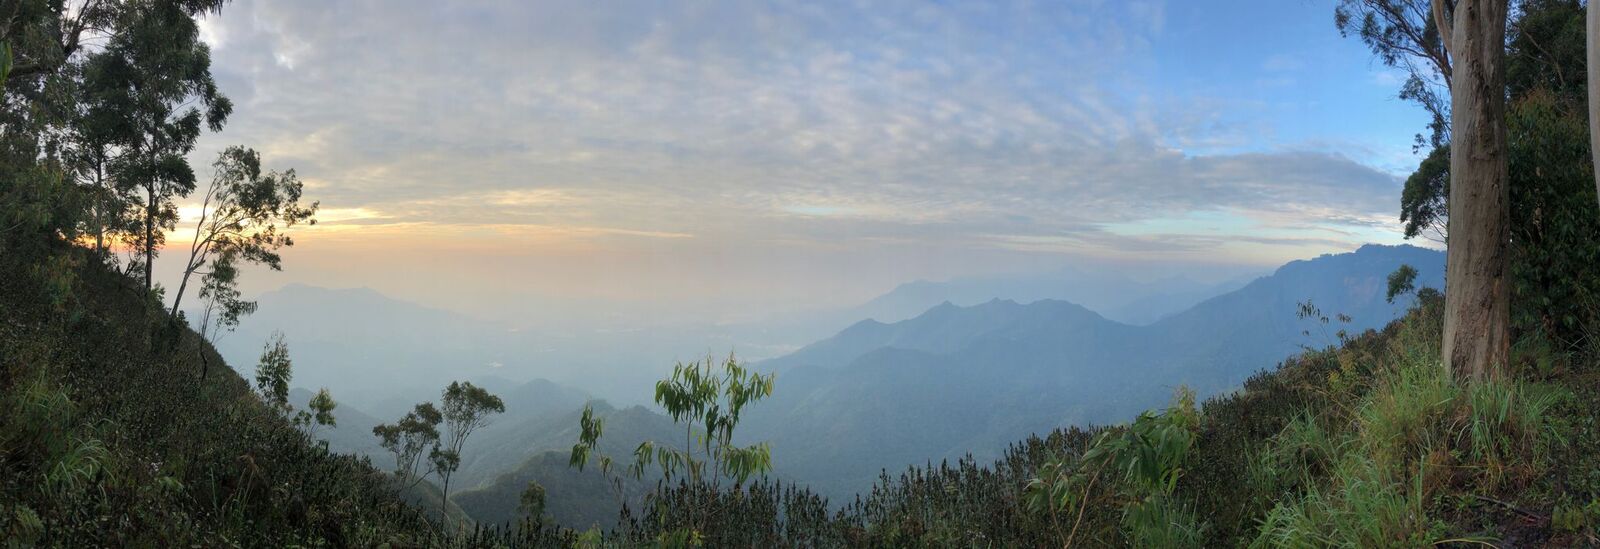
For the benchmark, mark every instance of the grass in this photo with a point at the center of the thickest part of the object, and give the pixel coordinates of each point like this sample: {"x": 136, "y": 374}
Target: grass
{"x": 1388, "y": 466}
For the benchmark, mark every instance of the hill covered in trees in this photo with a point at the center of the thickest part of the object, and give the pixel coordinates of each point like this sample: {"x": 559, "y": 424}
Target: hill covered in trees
{"x": 110, "y": 436}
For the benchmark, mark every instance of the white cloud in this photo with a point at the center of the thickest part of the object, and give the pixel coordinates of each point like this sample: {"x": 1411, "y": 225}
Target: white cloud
{"x": 754, "y": 121}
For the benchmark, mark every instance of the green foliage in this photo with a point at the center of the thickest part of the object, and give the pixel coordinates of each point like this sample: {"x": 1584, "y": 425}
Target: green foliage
{"x": 708, "y": 404}
{"x": 1372, "y": 472}
{"x": 273, "y": 373}
{"x": 590, "y": 428}
{"x": 1307, "y": 310}
{"x": 219, "y": 292}
{"x": 5, "y": 63}
{"x": 147, "y": 95}
{"x": 531, "y": 502}
{"x": 465, "y": 408}
{"x": 244, "y": 217}
{"x": 1142, "y": 464}
{"x": 1554, "y": 211}
{"x": 1424, "y": 206}
{"x": 1402, "y": 281}
{"x": 1555, "y": 215}
{"x": 37, "y": 205}
{"x": 1508, "y": 423}
{"x": 108, "y": 440}
{"x": 1543, "y": 47}
{"x": 1402, "y": 34}
{"x": 320, "y": 413}
{"x": 408, "y": 438}
{"x": 1575, "y": 518}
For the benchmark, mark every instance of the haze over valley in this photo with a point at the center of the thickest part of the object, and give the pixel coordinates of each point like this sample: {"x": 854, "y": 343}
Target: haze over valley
{"x": 967, "y": 375}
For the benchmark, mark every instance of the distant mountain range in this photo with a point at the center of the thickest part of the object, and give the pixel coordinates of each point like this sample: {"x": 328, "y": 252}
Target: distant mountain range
{"x": 1113, "y": 295}
{"x": 384, "y": 354}
{"x": 957, "y": 380}
{"x": 960, "y": 377}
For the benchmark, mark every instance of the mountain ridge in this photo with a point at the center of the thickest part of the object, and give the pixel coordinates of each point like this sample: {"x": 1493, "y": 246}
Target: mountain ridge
{"x": 1028, "y": 368}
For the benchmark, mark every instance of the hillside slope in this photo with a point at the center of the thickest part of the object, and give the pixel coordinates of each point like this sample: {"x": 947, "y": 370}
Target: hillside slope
{"x": 1365, "y": 443}
{"x": 109, "y": 436}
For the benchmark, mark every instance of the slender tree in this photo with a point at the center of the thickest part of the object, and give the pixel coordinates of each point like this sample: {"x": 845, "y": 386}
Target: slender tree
{"x": 273, "y": 373}
{"x": 222, "y": 305}
{"x": 409, "y": 438}
{"x": 245, "y": 216}
{"x": 466, "y": 409}
{"x": 318, "y": 413}
{"x": 1477, "y": 336}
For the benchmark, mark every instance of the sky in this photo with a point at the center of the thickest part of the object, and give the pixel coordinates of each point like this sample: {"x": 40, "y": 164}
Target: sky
{"x": 709, "y": 157}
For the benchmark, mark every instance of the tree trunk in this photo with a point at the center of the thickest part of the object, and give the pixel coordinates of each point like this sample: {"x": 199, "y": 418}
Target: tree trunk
{"x": 102, "y": 201}
{"x": 444, "y": 504}
{"x": 1592, "y": 31}
{"x": 182, "y": 286}
{"x": 1477, "y": 338}
{"x": 149, "y": 238}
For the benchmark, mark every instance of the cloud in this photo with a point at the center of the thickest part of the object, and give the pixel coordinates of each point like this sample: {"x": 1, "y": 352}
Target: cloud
{"x": 760, "y": 122}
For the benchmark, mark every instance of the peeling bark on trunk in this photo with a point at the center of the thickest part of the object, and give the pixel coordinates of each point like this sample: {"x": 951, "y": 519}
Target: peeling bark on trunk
{"x": 1592, "y": 31}
{"x": 1477, "y": 337}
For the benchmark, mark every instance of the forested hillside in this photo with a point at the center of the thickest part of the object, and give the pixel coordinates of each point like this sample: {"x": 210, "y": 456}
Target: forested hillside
{"x": 111, "y": 437}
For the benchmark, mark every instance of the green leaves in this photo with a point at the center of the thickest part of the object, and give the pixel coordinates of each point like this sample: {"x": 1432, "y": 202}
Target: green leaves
{"x": 408, "y": 438}
{"x": 1402, "y": 281}
{"x": 467, "y": 408}
{"x": 444, "y": 461}
{"x": 531, "y": 503}
{"x": 706, "y": 398}
{"x": 1554, "y": 214}
{"x": 274, "y": 371}
{"x": 1143, "y": 462}
{"x": 590, "y": 428}
{"x": 1424, "y": 206}
{"x": 709, "y": 402}
{"x": 322, "y": 405}
{"x": 244, "y": 217}
{"x": 1555, "y": 217}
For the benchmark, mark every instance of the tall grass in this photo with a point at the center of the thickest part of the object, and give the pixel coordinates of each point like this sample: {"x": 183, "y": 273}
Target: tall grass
{"x": 1374, "y": 473}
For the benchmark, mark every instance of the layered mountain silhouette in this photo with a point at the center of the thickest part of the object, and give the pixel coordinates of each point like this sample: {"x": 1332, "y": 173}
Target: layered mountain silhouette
{"x": 951, "y": 381}
{"x": 958, "y": 380}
